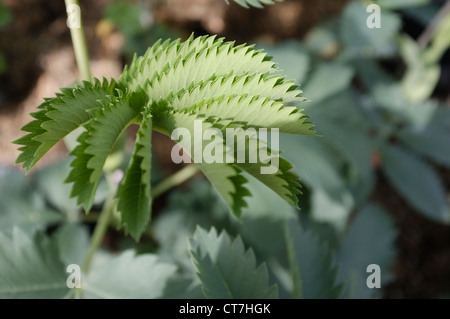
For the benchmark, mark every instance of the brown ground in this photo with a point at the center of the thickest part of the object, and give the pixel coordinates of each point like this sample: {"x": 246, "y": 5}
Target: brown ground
{"x": 38, "y": 48}
{"x": 40, "y": 59}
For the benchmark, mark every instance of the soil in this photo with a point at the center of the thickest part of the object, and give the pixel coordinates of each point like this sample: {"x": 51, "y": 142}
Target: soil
{"x": 40, "y": 60}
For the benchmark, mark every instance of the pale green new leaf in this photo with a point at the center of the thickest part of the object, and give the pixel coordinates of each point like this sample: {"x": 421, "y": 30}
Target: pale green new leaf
{"x": 258, "y": 113}
{"x": 421, "y": 76}
{"x": 224, "y": 177}
{"x": 30, "y": 267}
{"x": 266, "y": 165}
{"x": 159, "y": 58}
{"x": 134, "y": 193}
{"x": 95, "y": 145}
{"x": 227, "y": 270}
{"x": 193, "y": 61}
{"x": 284, "y": 182}
{"x": 58, "y": 117}
{"x": 255, "y": 84}
{"x": 174, "y": 83}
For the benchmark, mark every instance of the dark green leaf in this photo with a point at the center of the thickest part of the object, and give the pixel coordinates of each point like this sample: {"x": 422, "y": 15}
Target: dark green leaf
{"x": 227, "y": 270}
{"x": 314, "y": 273}
{"x": 417, "y": 182}
{"x": 30, "y": 267}
{"x": 370, "y": 240}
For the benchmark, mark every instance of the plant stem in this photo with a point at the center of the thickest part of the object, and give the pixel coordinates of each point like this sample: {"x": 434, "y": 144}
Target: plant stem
{"x": 79, "y": 41}
{"x": 179, "y": 177}
{"x": 99, "y": 232}
{"x": 426, "y": 36}
{"x": 103, "y": 220}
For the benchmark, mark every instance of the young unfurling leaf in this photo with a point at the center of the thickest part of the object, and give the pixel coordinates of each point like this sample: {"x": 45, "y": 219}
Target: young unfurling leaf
{"x": 174, "y": 84}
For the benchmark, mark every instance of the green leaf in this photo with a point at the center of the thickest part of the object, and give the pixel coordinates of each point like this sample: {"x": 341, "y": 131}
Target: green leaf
{"x": 417, "y": 182}
{"x": 440, "y": 42}
{"x": 421, "y": 76}
{"x": 5, "y": 15}
{"x": 292, "y": 59}
{"x": 371, "y": 74}
{"x": 183, "y": 287}
{"x": 332, "y": 208}
{"x": 363, "y": 42}
{"x": 321, "y": 166}
{"x": 263, "y": 228}
{"x": 314, "y": 273}
{"x": 30, "y": 267}
{"x": 322, "y": 40}
{"x": 197, "y": 204}
{"x": 263, "y": 222}
{"x": 278, "y": 176}
{"x": 400, "y": 4}
{"x": 344, "y": 126}
{"x": 431, "y": 141}
{"x": 252, "y": 112}
{"x": 95, "y": 145}
{"x": 21, "y": 206}
{"x": 322, "y": 82}
{"x": 255, "y": 3}
{"x": 274, "y": 88}
{"x": 73, "y": 242}
{"x": 317, "y": 163}
{"x": 226, "y": 269}
{"x": 128, "y": 276}
{"x": 49, "y": 183}
{"x": 80, "y": 174}
{"x": 58, "y": 117}
{"x": 418, "y": 117}
{"x": 423, "y": 14}
{"x": 125, "y": 16}
{"x": 192, "y": 61}
{"x": 176, "y": 83}
{"x": 224, "y": 177}
{"x": 370, "y": 240}
{"x": 134, "y": 193}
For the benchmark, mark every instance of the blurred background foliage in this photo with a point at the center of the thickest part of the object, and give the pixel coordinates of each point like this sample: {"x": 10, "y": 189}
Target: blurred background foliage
{"x": 375, "y": 184}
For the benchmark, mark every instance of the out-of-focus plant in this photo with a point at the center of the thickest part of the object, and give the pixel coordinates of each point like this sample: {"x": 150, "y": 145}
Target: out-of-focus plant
{"x": 371, "y": 123}
{"x": 367, "y": 121}
{"x": 136, "y": 23}
{"x": 5, "y": 19}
